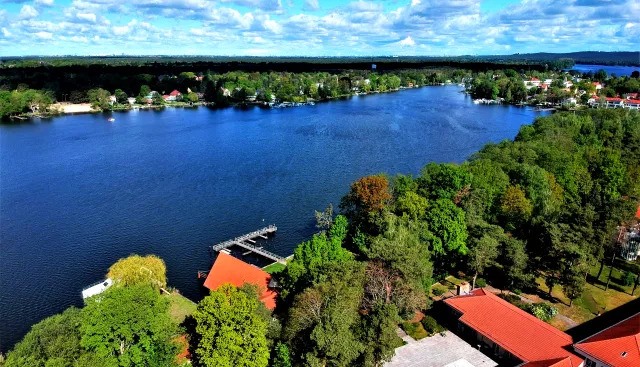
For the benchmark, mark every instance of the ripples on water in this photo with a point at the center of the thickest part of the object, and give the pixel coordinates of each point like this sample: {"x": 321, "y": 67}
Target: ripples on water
{"x": 78, "y": 192}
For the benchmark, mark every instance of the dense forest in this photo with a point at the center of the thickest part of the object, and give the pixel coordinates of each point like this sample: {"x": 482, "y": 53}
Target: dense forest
{"x": 545, "y": 205}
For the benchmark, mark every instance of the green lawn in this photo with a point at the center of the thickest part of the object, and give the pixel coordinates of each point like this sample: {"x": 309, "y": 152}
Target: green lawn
{"x": 180, "y": 307}
{"x": 274, "y": 268}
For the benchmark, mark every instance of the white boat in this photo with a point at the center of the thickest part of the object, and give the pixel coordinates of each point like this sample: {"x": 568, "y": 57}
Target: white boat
{"x": 111, "y": 119}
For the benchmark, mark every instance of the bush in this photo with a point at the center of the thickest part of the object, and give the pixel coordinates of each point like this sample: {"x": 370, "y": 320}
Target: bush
{"x": 628, "y": 278}
{"x": 542, "y": 311}
{"x": 481, "y": 283}
{"x": 431, "y": 325}
{"x": 414, "y": 330}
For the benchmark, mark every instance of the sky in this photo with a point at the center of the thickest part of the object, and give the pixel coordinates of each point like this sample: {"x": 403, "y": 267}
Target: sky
{"x": 316, "y": 27}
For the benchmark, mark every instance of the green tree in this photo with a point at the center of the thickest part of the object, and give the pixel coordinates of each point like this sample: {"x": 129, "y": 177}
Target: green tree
{"x": 129, "y": 326}
{"x": 121, "y": 96}
{"x": 229, "y": 332}
{"x": 54, "y": 341}
{"x": 377, "y": 331}
{"x": 322, "y": 320}
{"x": 281, "y": 356}
{"x": 443, "y": 181}
{"x": 192, "y": 97}
{"x": 482, "y": 253}
{"x": 136, "y": 270}
{"x": 411, "y": 204}
{"x": 447, "y": 223}
{"x": 99, "y": 98}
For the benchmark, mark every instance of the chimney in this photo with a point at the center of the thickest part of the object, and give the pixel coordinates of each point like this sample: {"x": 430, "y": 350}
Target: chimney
{"x": 464, "y": 288}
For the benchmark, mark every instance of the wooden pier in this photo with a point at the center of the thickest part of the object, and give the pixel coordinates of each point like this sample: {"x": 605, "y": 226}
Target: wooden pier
{"x": 243, "y": 240}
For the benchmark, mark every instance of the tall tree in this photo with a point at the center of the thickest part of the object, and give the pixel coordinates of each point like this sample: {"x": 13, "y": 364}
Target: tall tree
{"x": 130, "y": 326}
{"x": 229, "y": 332}
{"x": 136, "y": 269}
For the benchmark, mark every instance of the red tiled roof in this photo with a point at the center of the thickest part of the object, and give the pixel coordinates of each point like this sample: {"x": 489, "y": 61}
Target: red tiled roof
{"x": 175, "y": 93}
{"x": 614, "y": 99}
{"x": 531, "y": 340}
{"x": 635, "y": 101}
{"x": 535, "y": 79}
{"x": 228, "y": 269}
{"x": 617, "y": 346}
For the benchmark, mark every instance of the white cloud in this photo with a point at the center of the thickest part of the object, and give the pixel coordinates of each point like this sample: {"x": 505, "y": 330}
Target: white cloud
{"x": 28, "y": 12}
{"x": 408, "y": 42}
{"x": 44, "y": 2}
{"x": 89, "y": 17}
{"x": 44, "y": 35}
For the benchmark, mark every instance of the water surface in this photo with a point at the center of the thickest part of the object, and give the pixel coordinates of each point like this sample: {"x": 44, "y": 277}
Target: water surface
{"x": 610, "y": 69}
{"x": 78, "y": 192}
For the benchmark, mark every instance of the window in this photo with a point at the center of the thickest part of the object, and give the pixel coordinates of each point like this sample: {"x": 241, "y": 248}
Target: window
{"x": 590, "y": 363}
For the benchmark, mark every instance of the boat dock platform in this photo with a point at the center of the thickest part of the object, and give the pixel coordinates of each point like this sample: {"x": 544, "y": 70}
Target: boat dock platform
{"x": 246, "y": 241}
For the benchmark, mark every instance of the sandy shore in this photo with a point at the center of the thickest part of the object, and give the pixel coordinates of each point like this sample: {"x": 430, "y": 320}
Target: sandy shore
{"x": 73, "y": 107}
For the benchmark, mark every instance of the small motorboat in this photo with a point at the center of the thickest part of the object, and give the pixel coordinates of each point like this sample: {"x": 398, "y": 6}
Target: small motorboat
{"x": 111, "y": 119}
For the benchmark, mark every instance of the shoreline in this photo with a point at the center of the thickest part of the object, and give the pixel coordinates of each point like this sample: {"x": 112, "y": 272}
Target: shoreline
{"x": 66, "y": 108}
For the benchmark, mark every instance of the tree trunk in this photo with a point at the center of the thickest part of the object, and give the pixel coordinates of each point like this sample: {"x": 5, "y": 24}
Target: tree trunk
{"x": 600, "y": 271}
{"x": 610, "y": 271}
{"x": 570, "y": 302}
{"x": 473, "y": 284}
{"x": 635, "y": 285}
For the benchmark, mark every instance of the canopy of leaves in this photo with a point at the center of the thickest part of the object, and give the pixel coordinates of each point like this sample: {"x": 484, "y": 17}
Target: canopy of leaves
{"x": 229, "y": 331}
{"x": 136, "y": 269}
{"x": 129, "y": 326}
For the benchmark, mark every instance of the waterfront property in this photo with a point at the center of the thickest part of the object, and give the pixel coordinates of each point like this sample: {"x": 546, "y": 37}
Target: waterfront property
{"x": 246, "y": 241}
{"x": 228, "y": 269}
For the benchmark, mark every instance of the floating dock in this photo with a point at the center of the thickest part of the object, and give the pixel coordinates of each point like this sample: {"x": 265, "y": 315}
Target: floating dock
{"x": 243, "y": 241}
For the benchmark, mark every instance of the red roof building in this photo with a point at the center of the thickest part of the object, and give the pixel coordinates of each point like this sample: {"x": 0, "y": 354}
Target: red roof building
{"x": 228, "y": 269}
{"x": 618, "y": 345}
{"x": 175, "y": 93}
{"x": 512, "y": 334}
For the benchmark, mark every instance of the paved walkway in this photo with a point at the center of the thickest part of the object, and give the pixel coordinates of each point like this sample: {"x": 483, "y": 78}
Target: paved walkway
{"x": 439, "y": 351}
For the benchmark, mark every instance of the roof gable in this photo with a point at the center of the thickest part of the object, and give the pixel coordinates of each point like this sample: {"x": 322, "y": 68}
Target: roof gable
{"x": 228, "y": 269}
{"x": 618, "y": 345}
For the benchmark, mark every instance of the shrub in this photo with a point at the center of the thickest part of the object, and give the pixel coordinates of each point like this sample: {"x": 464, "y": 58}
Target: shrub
{"x": 542, "y": 311}
{"x": 414, "y": 330}
{"x": 481, "y": 283}
{"x": 628, "y": 278}
{"x": 517, "y": 291}
{"x": 431, "y": 325}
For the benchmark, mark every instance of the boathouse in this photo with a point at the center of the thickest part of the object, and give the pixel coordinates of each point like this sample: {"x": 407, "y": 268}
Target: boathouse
{"x": 228, "y": 269}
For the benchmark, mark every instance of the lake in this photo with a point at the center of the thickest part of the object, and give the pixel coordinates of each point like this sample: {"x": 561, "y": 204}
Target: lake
{"x": 79, "y": 192}
{"x": 610, "y": 69}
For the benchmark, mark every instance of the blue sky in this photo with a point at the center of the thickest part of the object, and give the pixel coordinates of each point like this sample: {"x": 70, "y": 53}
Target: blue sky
{"x": 316, "y": 27}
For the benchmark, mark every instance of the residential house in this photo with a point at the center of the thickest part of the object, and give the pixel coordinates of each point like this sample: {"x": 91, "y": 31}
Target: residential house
{"x": 131, "y": 100}
{"x": 598, "y": 86}
{"x": 630, "y": 95}
{"x": 228, "y": 269}
{"x": 112, "y": 100}
{"x": 513, "y": 336}
{"x": 533, "y": 83}
{"x": 226, "y": 92}
{"x": 632, "y": 103}
{"x": 568, "y": 84}
{"x": 569, "y": 101}
{"x": 175, "y": 93}
{"x": 614, "y": 102}
{"x": 617, "y": 345}
{"x": 168, "y": 98}
{"x": 629, "y": 242}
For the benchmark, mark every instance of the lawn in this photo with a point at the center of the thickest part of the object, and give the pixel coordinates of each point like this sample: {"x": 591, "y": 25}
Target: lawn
{"x": 274, "y": 268}
{"x": 594, "y": 299}
{"x": 180, "y": 307}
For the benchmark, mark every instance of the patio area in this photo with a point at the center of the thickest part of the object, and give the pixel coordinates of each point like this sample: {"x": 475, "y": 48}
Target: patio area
{"x": 439, "y": 351}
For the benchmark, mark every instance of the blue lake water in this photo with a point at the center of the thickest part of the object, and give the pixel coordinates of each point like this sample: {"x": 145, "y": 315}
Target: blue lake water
{"x": 610, "y": 69}
{"x": 78, "y": 192}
